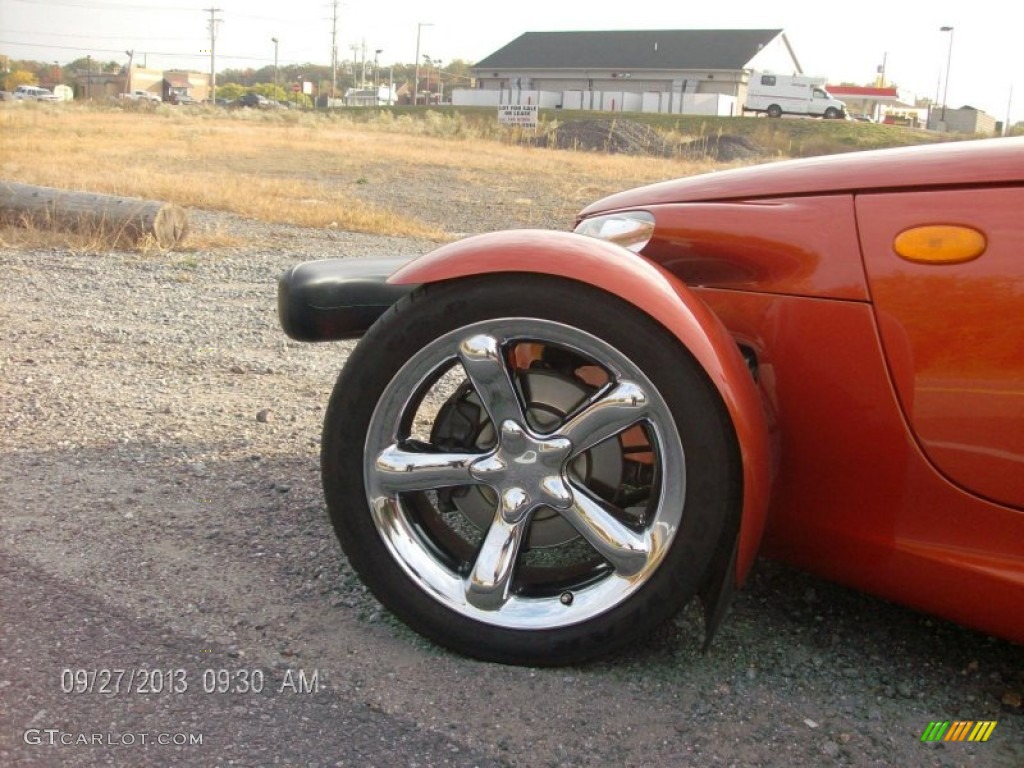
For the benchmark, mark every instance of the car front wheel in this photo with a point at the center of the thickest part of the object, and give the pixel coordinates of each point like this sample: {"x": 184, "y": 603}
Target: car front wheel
{"x": 527, "y": 470}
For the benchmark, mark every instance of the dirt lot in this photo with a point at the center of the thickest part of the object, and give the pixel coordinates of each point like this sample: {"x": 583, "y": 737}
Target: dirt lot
{"x": 161, "y": 510}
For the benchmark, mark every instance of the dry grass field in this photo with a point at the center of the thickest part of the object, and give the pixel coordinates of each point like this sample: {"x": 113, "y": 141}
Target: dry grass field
{"x": 388, "y": 175}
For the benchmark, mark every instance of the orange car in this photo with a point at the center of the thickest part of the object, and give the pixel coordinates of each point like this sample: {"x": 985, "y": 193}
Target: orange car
{"x": 546, "y": 443}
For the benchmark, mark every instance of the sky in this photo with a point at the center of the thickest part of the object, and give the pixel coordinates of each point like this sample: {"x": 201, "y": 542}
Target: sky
{"x": 843, "y": 42}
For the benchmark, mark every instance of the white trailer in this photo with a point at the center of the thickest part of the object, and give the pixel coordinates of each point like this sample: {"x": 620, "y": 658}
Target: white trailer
{"x": 778, "y": 95}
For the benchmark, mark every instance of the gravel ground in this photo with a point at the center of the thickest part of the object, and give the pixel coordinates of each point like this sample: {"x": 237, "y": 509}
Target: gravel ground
{"x": 162, "y": 510}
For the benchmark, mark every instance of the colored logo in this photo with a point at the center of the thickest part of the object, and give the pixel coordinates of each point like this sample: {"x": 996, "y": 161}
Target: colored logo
{"x": 958, "y": 730}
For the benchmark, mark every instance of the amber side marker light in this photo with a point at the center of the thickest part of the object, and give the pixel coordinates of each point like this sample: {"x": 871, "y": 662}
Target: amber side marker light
{"x": 940, "y": 244}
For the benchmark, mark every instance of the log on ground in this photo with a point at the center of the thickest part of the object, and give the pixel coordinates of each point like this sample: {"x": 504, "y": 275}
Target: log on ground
{"x": 119, "y": 219}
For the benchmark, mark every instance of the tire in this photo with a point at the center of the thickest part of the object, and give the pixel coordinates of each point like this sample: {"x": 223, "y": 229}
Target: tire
{"x": 774, "y": 110}
{"x": 583, "y": 522}
{"x": 831, "y": 113}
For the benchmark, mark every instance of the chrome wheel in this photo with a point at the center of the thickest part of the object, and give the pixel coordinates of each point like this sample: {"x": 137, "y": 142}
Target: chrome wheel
{"x": 533, "y": 523}
{"x": 528, "y": 470}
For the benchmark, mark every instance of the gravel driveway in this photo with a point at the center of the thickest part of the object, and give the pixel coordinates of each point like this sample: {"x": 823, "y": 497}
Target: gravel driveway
{"x": 161, "y": 510}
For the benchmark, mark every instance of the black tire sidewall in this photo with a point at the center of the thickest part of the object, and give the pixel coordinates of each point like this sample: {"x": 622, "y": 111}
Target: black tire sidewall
{"x": 712, "y": 464}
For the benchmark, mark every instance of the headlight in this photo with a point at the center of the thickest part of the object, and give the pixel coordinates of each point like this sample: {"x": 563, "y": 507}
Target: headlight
{"x": 630, "y": 229}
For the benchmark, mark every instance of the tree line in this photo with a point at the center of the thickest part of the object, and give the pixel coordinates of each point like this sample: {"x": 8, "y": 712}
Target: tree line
{"x": 232, "y": 82}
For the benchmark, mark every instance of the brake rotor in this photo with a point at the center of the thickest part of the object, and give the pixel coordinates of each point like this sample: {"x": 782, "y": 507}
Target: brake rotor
{"x": 549, "y": 396}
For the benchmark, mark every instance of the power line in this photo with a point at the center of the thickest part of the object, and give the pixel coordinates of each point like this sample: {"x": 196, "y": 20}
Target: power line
{"x": 92, "y": 6}
{"x": 100, "y": 5}
{"x": 291, "y": 62}
{"x": 104, "y": 50}
{"x": 37, "y": 33}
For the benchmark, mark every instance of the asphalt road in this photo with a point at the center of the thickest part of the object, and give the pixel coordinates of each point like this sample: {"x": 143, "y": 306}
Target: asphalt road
{"x": 195, "y": 707}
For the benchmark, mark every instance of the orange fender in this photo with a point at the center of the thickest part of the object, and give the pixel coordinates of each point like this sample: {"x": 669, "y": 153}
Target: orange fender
{"x": 651, "y": 290}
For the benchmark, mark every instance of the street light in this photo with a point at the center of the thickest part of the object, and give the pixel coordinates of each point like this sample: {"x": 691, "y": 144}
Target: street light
{"x": 275, "y": 41}
{"x": 949, "y": 59}
{"x": 376, "y": 90}
{"x": 416, "y": 80}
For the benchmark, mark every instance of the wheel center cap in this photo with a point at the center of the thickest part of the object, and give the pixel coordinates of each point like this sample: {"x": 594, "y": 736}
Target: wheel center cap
{"x": 526, "y": 471}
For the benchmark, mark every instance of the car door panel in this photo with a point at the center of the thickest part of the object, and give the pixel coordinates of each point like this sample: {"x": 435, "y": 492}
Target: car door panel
{"x": 953, "y": 331}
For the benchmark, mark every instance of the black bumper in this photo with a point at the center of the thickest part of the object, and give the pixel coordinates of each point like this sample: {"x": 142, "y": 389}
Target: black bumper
{"x": 336, "y": 298}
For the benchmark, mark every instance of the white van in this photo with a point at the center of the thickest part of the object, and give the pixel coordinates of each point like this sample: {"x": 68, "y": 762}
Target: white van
{"x": 778, "y": 95}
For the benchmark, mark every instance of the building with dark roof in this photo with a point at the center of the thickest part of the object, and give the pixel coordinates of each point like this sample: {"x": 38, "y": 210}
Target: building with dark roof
{"x": 639, "y": 68}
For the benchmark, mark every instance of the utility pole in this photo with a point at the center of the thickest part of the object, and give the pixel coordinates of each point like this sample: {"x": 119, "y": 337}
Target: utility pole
{"x": 334, "y": 51}
{"x": 1009, "y": 106}
{"x": 429, "y": 61}
{"x": 128, "y": 77}
{"x": 355, "y": 65}
{"x": 416, "y": 79}
{"x": 212, "y": 23}
{"x": 275, "y": 41}
{"x": 949, "y": 60}
{"x": 362, "y": 76}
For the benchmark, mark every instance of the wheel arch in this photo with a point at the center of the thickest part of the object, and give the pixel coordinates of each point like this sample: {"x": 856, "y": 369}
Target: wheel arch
{"x": 656, "y": 293}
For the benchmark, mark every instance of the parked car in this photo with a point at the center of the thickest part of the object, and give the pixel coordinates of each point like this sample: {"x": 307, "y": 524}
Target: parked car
{"x": 140, "y": 95}
{"x": 34, "y": 93}
{"x": 254, "y": 100}
{"x": 182, "y": 99}
{"x": 546, "y": 443}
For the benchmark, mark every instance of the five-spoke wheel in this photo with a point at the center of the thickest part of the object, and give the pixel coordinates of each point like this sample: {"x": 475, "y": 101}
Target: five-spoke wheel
{"x": 527, "y": 470}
